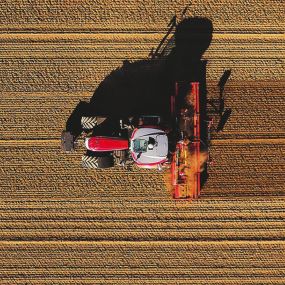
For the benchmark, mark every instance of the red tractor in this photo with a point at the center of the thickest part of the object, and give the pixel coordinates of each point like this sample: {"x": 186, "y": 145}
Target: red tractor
{"x": 150, "y": 142}
{"x": 111, "y": 142}
{"x": 146, "y": 145}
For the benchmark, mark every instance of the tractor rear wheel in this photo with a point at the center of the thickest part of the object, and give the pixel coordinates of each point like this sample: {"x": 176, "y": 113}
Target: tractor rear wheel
{"x": 89, "y": 123}
{"x": 97, "y": 162}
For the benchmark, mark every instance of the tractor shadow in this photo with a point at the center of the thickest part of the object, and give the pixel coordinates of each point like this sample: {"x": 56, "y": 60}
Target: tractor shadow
{"x": 145, "y": 86}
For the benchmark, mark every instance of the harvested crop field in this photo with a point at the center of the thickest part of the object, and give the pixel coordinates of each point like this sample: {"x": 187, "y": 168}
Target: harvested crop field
{"x": 62, "y": 224}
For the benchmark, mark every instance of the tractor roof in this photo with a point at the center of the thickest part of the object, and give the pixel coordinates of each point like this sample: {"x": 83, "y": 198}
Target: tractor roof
{"x": 149, "y": 146}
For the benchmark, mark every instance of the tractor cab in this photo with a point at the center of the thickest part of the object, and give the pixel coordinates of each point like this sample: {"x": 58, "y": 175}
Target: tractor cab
{"x": 149, "y": 147}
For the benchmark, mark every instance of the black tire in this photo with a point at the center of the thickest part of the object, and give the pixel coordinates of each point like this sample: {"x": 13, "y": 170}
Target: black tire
{"x": 89, "y": 123}
{"x": 97, "y": 162}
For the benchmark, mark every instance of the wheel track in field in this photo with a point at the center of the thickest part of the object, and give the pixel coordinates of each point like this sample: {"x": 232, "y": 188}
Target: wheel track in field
{"x": 139, "y": 219}
{"x": 257, "y": 111}
{"x": 133, "y": 16}
{"x": 85, "y": 260}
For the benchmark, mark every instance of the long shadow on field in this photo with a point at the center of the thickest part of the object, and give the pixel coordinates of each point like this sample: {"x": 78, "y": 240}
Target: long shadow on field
{"x": 145, "y": 86}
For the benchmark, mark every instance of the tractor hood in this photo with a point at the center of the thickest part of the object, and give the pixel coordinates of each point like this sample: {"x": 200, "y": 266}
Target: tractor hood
{"x": 98, "y": 143}
{"x": 149, "y": 146}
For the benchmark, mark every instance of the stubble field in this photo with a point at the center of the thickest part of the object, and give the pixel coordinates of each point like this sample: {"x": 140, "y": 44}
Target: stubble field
{"x": 62, "y": 224}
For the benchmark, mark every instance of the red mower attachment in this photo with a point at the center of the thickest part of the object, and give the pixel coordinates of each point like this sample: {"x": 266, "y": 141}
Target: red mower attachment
{"x": 185, "y": 165}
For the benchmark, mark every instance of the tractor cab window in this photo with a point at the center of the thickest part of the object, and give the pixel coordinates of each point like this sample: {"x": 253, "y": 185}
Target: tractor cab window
{"x": 140, "y": 145}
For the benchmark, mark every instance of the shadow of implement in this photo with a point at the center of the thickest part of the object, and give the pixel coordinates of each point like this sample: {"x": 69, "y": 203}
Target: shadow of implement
{"x": 221, "y": 84}
{"x": 223, "y": 119}
{"x": 218, "y": 104}
{"x": 224, "y": 114}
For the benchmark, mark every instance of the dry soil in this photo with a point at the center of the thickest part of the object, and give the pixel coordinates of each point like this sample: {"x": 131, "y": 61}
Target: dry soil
{"x": 61, "y": 224}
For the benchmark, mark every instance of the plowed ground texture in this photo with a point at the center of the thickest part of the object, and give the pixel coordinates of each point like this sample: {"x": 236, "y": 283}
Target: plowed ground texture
{"x": 62, "y": 224}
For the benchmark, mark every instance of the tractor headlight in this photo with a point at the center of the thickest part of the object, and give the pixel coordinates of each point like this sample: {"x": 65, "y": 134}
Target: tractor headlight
{"x": 87, "y": 143}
